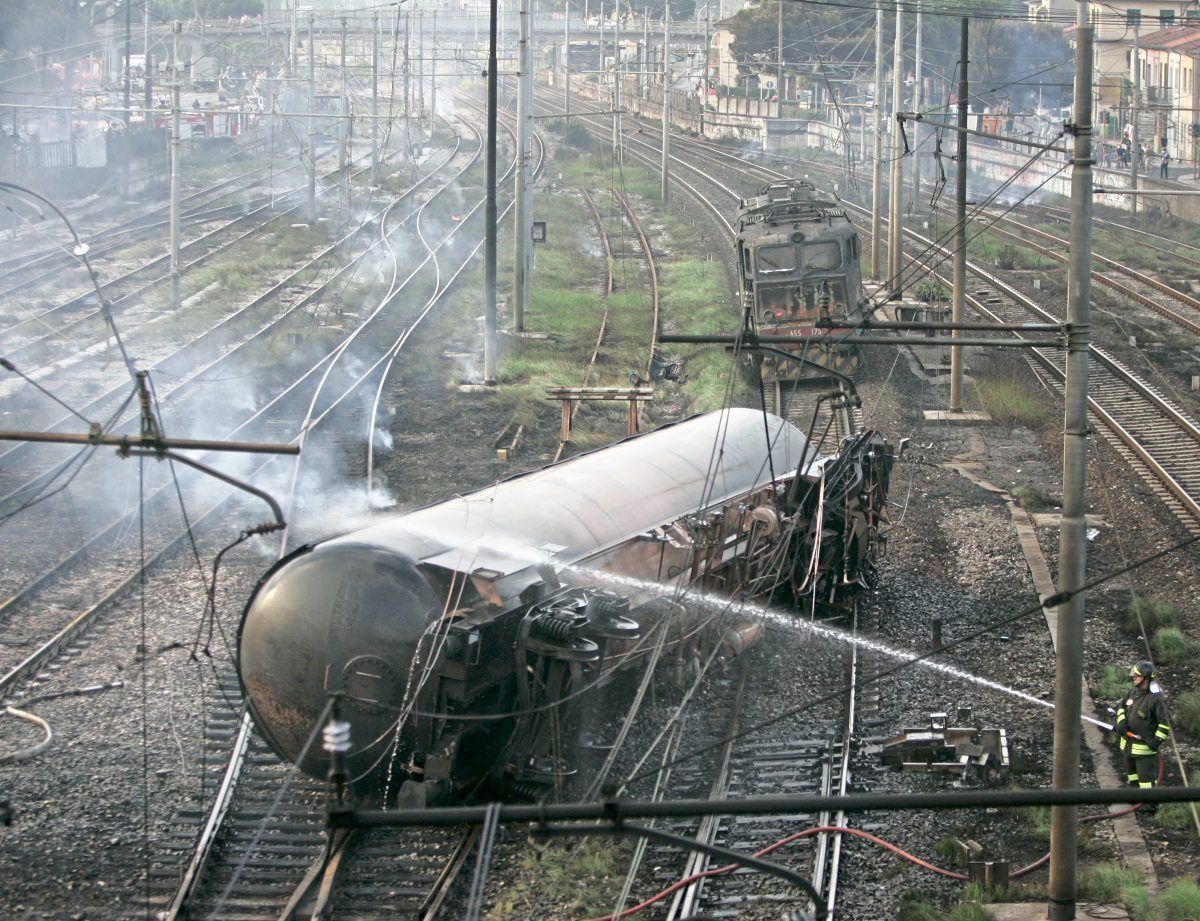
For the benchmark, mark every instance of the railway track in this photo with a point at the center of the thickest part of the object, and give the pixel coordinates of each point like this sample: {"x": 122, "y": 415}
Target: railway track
{"x": 25, "y": 611}
{"x": 197, "y": 205}
{"x": 1151, "y": 431}
{"x": 335, "y": 872}
{"x": 631, "y": 220}
{"x": 50, "y": 344}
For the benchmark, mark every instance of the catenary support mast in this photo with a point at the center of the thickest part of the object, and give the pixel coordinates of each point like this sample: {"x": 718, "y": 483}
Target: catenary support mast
{"x": 489, "y": 209}
{"x": 958, "y": 303}
{"x": 1072, "y": 546}
{"x": 176, "y": 299}
{"x": 896, "y": 185}
{"x": 877, "y": 156}
{"x": 522, "y": 231}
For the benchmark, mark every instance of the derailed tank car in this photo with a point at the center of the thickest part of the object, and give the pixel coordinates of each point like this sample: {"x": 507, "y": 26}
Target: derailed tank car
{"x": 468, "y": 637}
{"x": 797, "y": 255}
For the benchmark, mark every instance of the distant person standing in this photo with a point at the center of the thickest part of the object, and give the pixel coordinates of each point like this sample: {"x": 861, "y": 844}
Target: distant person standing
{"x": 1163, "y": 167}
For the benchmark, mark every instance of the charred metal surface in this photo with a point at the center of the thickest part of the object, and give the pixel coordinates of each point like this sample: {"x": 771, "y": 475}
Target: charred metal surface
{"x": 464, "y": 635}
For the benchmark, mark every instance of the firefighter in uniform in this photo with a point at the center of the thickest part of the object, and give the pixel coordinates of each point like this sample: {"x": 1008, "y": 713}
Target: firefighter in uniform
{"x": 1141, "y": 727}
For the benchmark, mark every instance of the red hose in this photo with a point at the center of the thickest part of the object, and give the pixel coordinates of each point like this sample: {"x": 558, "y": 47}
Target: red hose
{"x": 887, "y": 845}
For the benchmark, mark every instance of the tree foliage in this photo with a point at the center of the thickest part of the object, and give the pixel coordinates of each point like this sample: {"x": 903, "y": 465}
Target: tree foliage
{"x": 204, "y": 9}
{"x": 1009, "y": 60}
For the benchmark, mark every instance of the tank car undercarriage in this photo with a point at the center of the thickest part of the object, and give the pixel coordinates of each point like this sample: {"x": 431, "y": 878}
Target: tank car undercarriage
{"x": 475, "y": 644}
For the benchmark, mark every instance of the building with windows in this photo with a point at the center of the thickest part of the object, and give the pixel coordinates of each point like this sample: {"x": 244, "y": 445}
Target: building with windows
{"x": 1166, "y": 39}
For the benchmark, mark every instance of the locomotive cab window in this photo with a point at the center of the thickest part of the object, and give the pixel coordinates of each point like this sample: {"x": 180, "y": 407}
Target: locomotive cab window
{"x": 773, "y": 259}
{"x": 826, "y": 255}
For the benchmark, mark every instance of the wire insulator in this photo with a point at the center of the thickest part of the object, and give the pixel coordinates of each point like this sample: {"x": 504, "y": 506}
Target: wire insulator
{"x": 336, "y": 736}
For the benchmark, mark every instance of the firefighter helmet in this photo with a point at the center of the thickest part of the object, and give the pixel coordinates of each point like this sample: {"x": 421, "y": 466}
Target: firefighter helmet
{"x": 1143, "y": 669}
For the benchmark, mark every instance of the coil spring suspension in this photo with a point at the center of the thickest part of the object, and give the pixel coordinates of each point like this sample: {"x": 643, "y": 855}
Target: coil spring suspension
{"x": 554, "y": 627}
{"x": 525, "y": 790}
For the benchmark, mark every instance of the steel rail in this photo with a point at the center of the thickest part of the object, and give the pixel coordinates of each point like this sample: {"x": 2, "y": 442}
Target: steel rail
{"x": 93, "y": 406}
{"x": 1192, "y": 326}
{"x": 608, "y": 287}
{"x": 829, "y": 844}
{"x": 652, "y": 271}
{"x": 686, "y": 901}
{"x": 203, "y": 849}
{"x": 88, "y": 297}
{"x": 1187, "y": 499}
{"x": 104, "y": 240}
{"x": 1062, "y": 215}
{"x": 34, "y": 662}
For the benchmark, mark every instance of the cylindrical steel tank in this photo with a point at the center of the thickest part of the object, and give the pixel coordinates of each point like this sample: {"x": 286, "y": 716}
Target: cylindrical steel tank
{"x": 346, "y": 614}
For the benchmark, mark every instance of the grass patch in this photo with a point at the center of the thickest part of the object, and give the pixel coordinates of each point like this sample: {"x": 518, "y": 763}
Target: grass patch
{"x": 1112, "y": 683}
{"x": 1186, "y": 712}
{"x": 1180, "y": 902}
{"x": 1105, "y": 884}
{"x": 1175, "y": 815}
{"x": 968, "y": 911}
{"x": 695, "y": 299}
{"x": 1011, "y": 401}
{"x": 1039, "y": 820}
{"x": 931, "y": 290}
{"x": 1148, "y": 615}
{"x": 1170, "y": 646}
{"x": 579, "y": 879}
{"x": 1033, "y": 498}
{"x": 919, "y": 911}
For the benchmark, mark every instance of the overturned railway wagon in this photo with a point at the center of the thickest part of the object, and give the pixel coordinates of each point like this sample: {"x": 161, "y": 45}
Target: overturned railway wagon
{"x": 470, "y": 638}
{"x": 798, "y": 255}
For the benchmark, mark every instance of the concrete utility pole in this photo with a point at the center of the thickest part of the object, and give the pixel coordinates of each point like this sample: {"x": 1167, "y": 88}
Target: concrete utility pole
{"x": 176, "y": 300}
{"x": 312, "y": 128}
{"x": 489, "y": 209}
{"x": 375, "y": 98}
{"x": 644, "y": 76}
{"x": 566, "y": 60}
{"x": 433, "y": 66}
{"x": 125, "y": 81}
{"x": 779, "y": 56}
{"x": 407, "y": 85}
{"x": 148, "y": 98}
{"x": 1072, "y": 543}
{"x": 665, "y": 167}
{"x": 616, "y": 115}
{"x": 344, "y": 133}
{"x": 420, "y": 76}
{"x": 704, "y": 74}
{"x": 877, "y": 157}
{"x": 896, "y": 186}
{"x": 918, "y": 101}
{"x": 958, "y": 304}
{"x": 602, "y": 74}
{"x": 294, "y": 42}
{"x": 1135, "y": 144}
{"x": 522, "y": 230}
